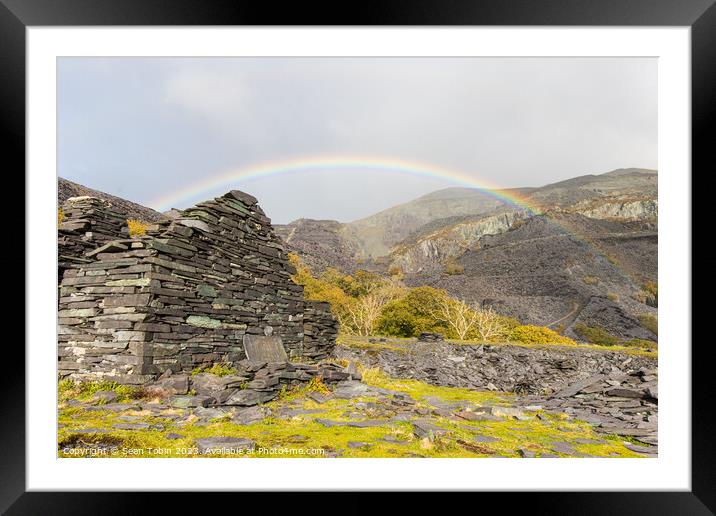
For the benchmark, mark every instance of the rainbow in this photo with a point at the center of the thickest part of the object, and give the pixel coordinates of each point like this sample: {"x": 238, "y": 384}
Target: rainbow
{"x": 220, "y": 183}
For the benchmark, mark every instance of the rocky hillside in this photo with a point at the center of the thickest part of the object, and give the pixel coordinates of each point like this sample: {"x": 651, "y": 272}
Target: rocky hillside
{"x": 424, "y": 232}
{"x": 321, "y": 243}
{"x": 376, "y": 235}
{"x": 560, "y": 270}
{"x": 67, "y": 189}
{"x": 584, "y": 260}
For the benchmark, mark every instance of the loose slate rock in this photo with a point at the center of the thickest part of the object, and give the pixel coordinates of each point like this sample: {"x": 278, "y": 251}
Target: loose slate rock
{"x": 249, "y": 397}
{"x": 646, "y": 450}
{"x": 564, "y": 448}
{"x": 358, "y": 444}
{"x": 393, "y": 440}
{"x": 422, "y": 429}
{"x": 131, "y": 426}
{"x": 249, "y": 415}
{"x": 319, "y": 397}
{"x": 114, "y": 407}
{"x": 191, "y": 401}
{"x": 366, "y": 424}
{"x": 485, "y": 439}
{"x": 328, "y": 422}
{"x": 351, "y": 389}
{"x": 105, "y": 396}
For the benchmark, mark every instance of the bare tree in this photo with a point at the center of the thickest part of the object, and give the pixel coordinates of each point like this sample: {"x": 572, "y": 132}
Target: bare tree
{"x": 464, "y": 318}
{"x": 488, "y": 324}
{"x": 364, "y": 312}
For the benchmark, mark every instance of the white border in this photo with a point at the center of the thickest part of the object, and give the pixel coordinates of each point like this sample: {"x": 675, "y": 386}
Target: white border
{"x": 670, "y": 471}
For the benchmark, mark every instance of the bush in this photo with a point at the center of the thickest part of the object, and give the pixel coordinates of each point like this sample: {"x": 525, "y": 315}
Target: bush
{"x": 611, "y": 296}
{"x": 652, "y": 293}
{"x": 509, "y": 323}
{"x": 451, "y": 267}
{"x": 413, "y": 314}
{"x": 596, "y": 335}
{"x": 136, "y": 227}
{"x": 60, "y": 216}
{"x": 530, "y": 334}
{"x": 650, "y": 322}
{"x": 590, "y": 280}
{"x": 641, "y": 343}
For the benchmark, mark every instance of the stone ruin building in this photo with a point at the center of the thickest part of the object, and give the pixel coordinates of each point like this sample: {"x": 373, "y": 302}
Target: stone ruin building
{"x": 196, "y": 289}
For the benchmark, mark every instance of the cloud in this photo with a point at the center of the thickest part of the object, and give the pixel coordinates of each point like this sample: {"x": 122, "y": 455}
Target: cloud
{"x": 146, "y": 125}
{"x": 209, "y": 93}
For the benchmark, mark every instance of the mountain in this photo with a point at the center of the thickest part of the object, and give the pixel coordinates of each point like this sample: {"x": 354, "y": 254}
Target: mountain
{"x": 377, "y": 234}
{"x": 67, "y": 189}
{"x": 583, "y": 257}
{"x": 424, "y": 232}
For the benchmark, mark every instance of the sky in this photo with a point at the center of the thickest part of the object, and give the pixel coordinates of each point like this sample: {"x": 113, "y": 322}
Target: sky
{"x": 163, "y": 131}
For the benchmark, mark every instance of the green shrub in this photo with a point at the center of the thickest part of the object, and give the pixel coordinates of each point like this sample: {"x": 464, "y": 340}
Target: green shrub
{"x": 509, "y": 323}
{"x": 413, "y": 314}
{"x": 531, "y": 334}
{"x": 612, "y": 297}
{"x": 590, "y": 280}
{"x": 596, "y": 335}
{"x": 650, "y": 322}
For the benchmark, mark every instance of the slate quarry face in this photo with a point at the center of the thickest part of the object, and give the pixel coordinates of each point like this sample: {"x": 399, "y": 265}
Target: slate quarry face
{"x": 196, "y": 289}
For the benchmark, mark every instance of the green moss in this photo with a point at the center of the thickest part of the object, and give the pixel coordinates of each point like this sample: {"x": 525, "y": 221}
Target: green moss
{"x": 218, "y": 369}
{"x": 303, "y": 432}
{"x": 70, "y": 389}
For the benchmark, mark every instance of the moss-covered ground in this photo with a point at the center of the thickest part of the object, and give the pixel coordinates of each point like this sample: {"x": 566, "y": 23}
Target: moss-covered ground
{"x": 86, "y": 429}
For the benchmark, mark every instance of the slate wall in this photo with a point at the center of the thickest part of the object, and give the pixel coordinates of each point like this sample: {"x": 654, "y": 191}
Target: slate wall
{"x": 183, "y": 295}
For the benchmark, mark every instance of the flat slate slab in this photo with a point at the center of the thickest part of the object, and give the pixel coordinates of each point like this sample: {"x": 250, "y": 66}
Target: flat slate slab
{"x": 260, "y": 348}
{"x": 484, "y": 439}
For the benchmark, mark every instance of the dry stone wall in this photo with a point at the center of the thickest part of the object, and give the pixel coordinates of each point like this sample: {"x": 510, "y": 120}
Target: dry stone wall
{"x": 184, "y": 295}
{"x": 87, "y": 223}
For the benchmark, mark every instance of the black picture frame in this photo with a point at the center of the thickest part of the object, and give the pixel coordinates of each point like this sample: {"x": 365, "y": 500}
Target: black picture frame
{"x": 700, "y": 15}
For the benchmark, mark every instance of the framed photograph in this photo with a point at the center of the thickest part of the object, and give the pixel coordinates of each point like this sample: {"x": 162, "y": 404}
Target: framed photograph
{"x": 419, "y": 250}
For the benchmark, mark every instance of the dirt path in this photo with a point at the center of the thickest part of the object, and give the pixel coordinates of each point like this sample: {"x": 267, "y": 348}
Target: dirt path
{"x": 576, "y": 308}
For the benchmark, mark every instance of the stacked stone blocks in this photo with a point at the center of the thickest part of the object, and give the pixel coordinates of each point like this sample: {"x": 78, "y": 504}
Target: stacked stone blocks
{"x": 182, "y": 296}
